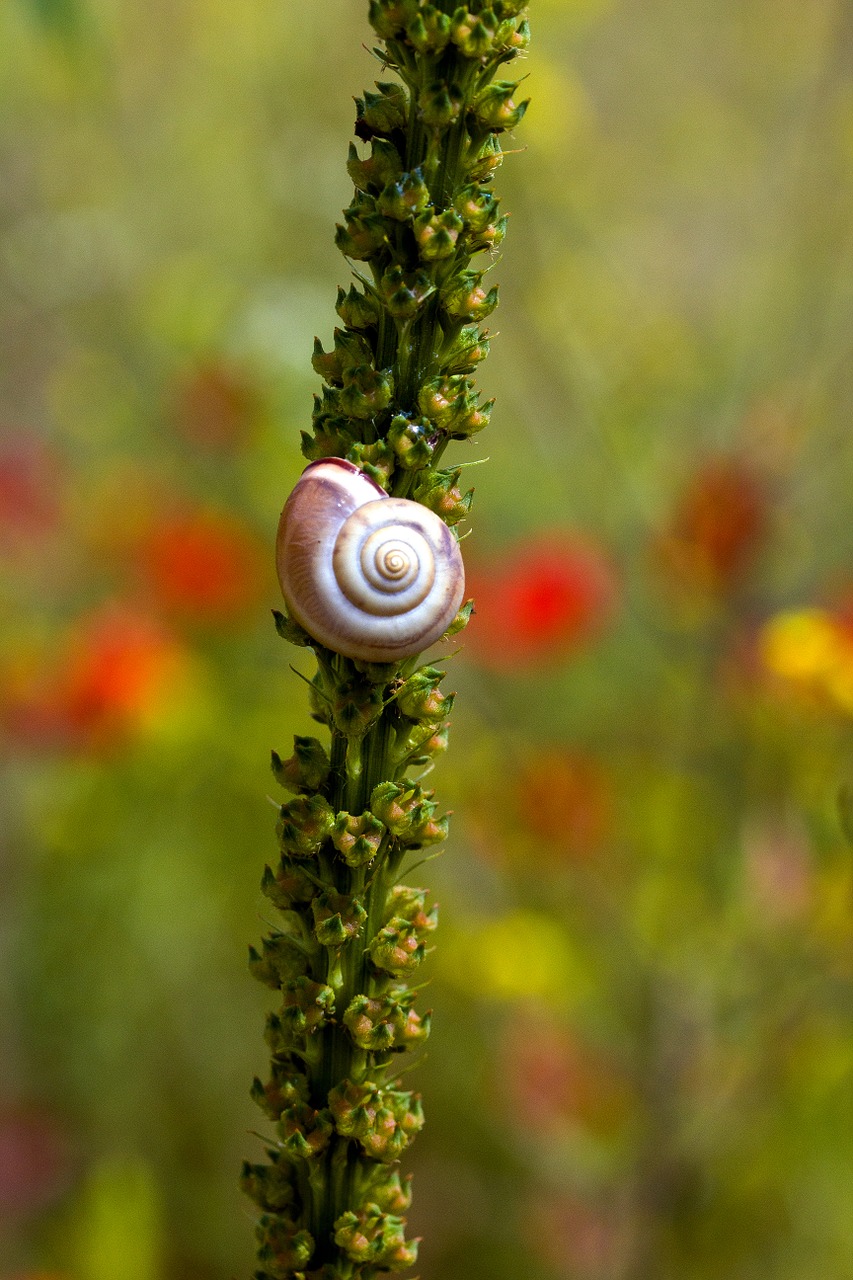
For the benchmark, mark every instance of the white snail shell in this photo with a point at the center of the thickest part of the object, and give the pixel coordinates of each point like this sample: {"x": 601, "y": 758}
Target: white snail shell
{"x": 369, "y": 576}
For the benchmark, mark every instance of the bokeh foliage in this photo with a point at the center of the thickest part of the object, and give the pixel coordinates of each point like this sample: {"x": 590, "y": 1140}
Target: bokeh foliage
{"x": 642, "y": 1060}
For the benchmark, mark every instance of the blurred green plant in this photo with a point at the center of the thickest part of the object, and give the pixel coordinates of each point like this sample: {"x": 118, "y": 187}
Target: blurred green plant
{"x": 662, "y": 721}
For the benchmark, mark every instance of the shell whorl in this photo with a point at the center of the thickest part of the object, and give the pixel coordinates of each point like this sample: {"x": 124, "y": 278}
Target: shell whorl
{"x": 369, "y": 576}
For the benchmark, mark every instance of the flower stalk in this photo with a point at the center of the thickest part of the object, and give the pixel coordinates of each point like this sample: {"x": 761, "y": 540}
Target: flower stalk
{"x": 398, "y": 390}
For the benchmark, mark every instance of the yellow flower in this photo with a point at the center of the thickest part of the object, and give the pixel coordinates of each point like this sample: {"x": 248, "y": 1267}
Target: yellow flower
{"x": 811, "y": 649}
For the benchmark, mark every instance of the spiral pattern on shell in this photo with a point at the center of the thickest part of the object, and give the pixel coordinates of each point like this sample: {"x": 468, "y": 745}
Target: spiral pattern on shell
{"x": 369, "y": 576}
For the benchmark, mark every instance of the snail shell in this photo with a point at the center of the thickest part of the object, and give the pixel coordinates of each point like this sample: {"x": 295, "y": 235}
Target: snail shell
{"x": 369, "y": 576}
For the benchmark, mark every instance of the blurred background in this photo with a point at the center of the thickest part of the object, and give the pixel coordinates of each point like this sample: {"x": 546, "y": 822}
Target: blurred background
{"x": 642, "y": 1059}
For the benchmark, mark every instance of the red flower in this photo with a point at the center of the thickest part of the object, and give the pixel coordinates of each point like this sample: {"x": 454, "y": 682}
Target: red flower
{"x": 540, "y": 602}
{"x": 717, "y": 528}
{"x": 204, "y": 565}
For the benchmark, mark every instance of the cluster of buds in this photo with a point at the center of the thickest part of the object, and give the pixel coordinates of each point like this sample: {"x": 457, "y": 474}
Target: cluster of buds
{"x": 382, "y": 1120}
{"x": 376, "y": 1237}
{"x": 398, "y": 389}
{"x": 412, "y": 330}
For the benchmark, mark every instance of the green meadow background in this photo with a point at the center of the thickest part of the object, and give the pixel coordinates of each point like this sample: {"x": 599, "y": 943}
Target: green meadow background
{"x": 641, "y": 1065}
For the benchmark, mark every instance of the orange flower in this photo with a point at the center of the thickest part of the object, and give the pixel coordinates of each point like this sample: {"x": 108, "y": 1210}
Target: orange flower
{"x": 717, "y": 528}
{"x": 204, "y": 565}
{"x": 101, "y": 682}
{"x": 541, "y": 602}
{"x": 120, "y": 664}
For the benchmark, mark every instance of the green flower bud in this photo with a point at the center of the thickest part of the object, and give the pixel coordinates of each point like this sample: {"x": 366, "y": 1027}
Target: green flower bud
{"x": 321, "y": 707}
{"x": 286, "y": 1087}
{"x": 402, "y": 199}
{"x": 388, "y": 17}
{"x": 475, "y": 206}
{"x": 304, "y": 1132}
{"x": 437, "y": 234}
{"x": 357, "y": 705}
{"x": 366, "y": 391}
{"x": 442, "y": 400}
{"x": 387, "y": 1022}
{"x": 303, "y": 825}
{"x": 279, "y": 1038}
{"x": 424, "y": 744}
{"x": 495, "y": 107}
{"x": 474, "y": 419}
{"x": 288, "y": 886}
{"x": 365, "y": 231}
{"x": 405, "y": 292}
{"x": 464, "y": 298}
{"x": 491, "y": 236}
{"x": 357, "y": 310}
{"x": 474, "y": 34}
{"x": 350, "y": 351}
{"x": 387, "y": 1191}
{"x": 460, "y": 622}
{"x": 331, "y": 439}
{"x": 411, "y": 442}
{"x": 439, "y": 490}
{"x": 290, "y": 630}
{"x": 338, "y": 918}
{"x": 383, "y": 166}
{"x": 381, "y": 112}
{"x": 451, "y": 403}
{"x": 429, "y": 30}
{"x": 306, "y": 770}
{"x": 269, "y": 1185}
{"x": 407, "y": 903}
{"x": 384, "y": 1121}
{"x": 469, "y": 349}
{"x": 357, "y": 840}
{"x": 428, "y": 832}
{"x": 513, "y": 35}
{"x": 370, "y": 1025}
{"x": 282, "y": 958}
{"x": 419, "y": 698}
{"x": 489, "y": 160}
{"x": 376, "y": 459}
{"x": 284, "y": 1247}
{"x": 380, "y": 673}
{"x": 376, "y": 1238}
{"x": 439, "y": 104}
{"x": 307, "y": 1005}
{"x": 394, "y": 804}
{"x": 326, "y": 365}
{"x": 510, "y": 8}
{"x": 398, "y": 948}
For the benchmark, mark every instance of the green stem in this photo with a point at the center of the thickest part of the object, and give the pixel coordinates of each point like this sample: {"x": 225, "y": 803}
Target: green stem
{"x": 341, "y": 1059}
{"x": 401, "y": 353}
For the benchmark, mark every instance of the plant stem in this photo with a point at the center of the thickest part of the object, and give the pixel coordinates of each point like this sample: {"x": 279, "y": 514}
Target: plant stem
{"x": 397, "y": 394}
